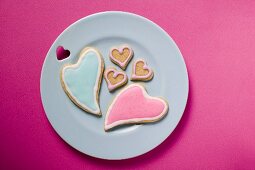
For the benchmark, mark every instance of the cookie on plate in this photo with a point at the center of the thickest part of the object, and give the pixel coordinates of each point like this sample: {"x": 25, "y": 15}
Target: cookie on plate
{"x": 133, "y": 105}
{"x": 114, "y": 78}
{"x": 141, "y": 71}
{"x": 121, "y": 55}
{"x": 81, "y": 81}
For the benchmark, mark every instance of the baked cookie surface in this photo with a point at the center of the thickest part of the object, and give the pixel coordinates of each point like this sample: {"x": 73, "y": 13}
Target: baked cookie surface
{"x": 141, "y": 71}
{"x": 121, "y": 55}
{"x": 114, "y": 78}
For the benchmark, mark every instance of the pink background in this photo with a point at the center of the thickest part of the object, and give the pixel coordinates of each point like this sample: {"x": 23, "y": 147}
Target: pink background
{"x": 217, "y": 40}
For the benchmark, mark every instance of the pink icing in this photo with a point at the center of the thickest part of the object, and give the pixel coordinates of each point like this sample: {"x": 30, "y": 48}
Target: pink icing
{"x": 115, "y": 74}
{"x": 120, "y": 49}
{"x": 133, "y": 104}
{"x": 134, "y": 76}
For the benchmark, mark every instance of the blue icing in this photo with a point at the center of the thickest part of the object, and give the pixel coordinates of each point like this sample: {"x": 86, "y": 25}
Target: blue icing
{"x": 81, "y": 81}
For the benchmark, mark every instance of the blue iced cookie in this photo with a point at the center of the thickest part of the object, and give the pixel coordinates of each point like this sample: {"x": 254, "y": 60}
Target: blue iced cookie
{"x": 81, "y": 81}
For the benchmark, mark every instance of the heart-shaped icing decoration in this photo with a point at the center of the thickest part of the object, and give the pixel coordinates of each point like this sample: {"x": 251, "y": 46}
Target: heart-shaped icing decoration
{"x": 133, "y": 105}
{"x": 82, "y": 81}
{"x": 121, "y": 56}
{"x": 114, "y": 78}
{"x": 62, "y": 53}
{"x": 141, "y": 71}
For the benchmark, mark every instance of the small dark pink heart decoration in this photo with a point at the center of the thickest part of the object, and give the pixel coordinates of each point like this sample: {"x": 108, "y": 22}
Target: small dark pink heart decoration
{"x": 62, "y": 53}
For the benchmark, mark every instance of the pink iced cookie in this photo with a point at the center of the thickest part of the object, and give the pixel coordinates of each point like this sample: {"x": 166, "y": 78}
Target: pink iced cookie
{"x": 133, "y": 105}
{"x": 115, "y": 78}
{"x": 141, "y": 71}
{"x": 121, "y": 55}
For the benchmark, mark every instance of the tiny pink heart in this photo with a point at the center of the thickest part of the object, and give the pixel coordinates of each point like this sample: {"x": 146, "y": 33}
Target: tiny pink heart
{"x": 62, "y": 53}
{"x": 133, "y": 105}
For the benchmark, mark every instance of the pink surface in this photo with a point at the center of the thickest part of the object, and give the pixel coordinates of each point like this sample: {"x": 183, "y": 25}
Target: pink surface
{"x": 217, "y": 40}
{"x": 133, "y": 104}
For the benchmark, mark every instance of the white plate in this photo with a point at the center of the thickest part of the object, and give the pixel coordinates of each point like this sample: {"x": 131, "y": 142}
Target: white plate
{"x": 85, "y": 132}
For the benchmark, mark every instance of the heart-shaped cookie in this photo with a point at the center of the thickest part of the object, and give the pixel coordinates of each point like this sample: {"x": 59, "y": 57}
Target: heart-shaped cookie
{"x": 133, "y": 105}
{"x": 121, "y": 56}
{"x": 114, "y": 78}
{"x": 82, "y": 81}
{"x": 141, "y": 71}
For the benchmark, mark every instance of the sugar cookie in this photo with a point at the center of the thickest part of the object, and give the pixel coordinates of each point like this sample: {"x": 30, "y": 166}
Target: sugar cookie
{"x": 81, "y": 81}
{"x": 141, "y": 71}
{"x": 133, "y": 105}
{"x": 114, "y": 78}
{"x": 121, "y": 56}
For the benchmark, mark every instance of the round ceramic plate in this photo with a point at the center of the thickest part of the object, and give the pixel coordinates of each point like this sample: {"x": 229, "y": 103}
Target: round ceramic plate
{"x": 84, "y": 131}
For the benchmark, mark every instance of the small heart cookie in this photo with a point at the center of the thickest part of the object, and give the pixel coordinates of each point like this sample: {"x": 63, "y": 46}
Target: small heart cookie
{"x": 114, "y": 78}
{"x": 121, "y": 56}
{"x": 133, "y": 105}
{"x": 81, "y": 81}
{"x": 141, "y": 71}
